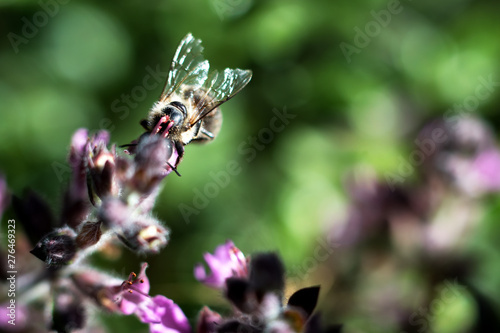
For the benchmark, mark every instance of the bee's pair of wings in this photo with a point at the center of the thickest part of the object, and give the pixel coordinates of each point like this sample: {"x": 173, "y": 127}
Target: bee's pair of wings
{"x": 189, "y": 68}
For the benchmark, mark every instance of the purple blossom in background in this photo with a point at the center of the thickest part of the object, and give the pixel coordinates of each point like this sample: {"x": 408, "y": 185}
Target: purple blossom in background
{"x": 484, "y": 170}
{"x": 227, "y": 261}
{"x": 465, "y": 155}
{"x": 254, "y": 287}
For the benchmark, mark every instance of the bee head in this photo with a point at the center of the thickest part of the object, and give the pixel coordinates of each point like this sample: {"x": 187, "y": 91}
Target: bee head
{"x": 176, "y": 111}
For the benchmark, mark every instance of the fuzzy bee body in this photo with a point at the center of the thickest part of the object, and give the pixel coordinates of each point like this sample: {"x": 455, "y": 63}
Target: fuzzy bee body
{"x": 188, "y": 108}
{"x": 204, "y": 130}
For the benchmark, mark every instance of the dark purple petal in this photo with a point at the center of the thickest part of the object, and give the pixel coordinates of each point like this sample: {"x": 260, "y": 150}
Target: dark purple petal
{"x": 208, "y": 321}
{"x": 305, "y": 299}
{"x": 267, "y": 274}
{"x": 239, "y": 293}
{"x": 34, "y": 214}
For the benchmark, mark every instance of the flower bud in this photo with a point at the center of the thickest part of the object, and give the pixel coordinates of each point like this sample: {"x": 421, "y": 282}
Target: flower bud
{"x": 89, "y": 234}
{"x": 76, "y": 202}
{"x": 208, "y": 321}
{"x": 57, "y": 248}
{"x": 101, "y": 166}
{"x": 146, "y": 235}
{"x": 150, "y": 160}
{"x": 99, "y": 286}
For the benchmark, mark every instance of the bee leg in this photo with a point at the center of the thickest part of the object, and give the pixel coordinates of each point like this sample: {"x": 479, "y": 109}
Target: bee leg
{"x": 207, "y": 133}
{"x": 144, "y": 123}
{"x": 174, "y": 169}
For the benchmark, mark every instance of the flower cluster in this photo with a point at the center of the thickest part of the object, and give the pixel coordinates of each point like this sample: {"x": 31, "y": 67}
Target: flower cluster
{"x": 254, "y": 286}
{"x": 464, "y": 153}
{"x": 424, "y": 222}
{"x": 132, "y": 297}
{"x": 109, "y": 197}
{"x": 108, "y": 194}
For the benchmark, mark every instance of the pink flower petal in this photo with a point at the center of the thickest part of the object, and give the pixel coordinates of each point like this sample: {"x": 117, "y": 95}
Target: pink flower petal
{"x": 173, "y": 319}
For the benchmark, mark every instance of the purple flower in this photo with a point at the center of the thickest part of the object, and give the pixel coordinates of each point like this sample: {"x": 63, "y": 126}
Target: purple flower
{"x": 227, "y": 261}
{"x": 486, "y": 166}
{"x": 163, "y": 315}
{"x": 78, "y": 185}
{"x": 133, "y": 292}
{"x": 76, "y": 202}
{"x": 145, "y": 235}
{"x": 157, "y": 148}
{"x": 101, "y": 164}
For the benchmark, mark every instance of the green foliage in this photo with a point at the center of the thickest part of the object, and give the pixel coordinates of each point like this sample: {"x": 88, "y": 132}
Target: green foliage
{"x": 360, "y": 111}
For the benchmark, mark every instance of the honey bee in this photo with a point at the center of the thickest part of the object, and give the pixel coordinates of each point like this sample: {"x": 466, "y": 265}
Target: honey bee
{"x": 188, "y": 108}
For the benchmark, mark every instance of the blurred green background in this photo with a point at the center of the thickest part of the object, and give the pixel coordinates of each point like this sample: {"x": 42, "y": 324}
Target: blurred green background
{"x": 72, "y": 67}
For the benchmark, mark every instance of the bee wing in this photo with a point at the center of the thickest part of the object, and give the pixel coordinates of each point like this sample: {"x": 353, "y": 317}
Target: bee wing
{"x": 188, "y": 67}
{"x": 219, "y": 88}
